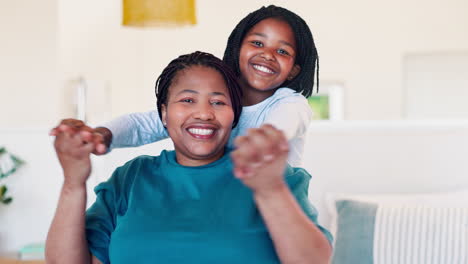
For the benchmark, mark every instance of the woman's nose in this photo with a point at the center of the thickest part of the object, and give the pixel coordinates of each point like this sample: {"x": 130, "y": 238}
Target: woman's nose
{"x": 204, "y": 112}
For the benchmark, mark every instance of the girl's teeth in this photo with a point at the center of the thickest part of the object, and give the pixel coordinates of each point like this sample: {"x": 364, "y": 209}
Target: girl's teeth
{"x": 201, "y": 131}
{"x": 263, "y": 68}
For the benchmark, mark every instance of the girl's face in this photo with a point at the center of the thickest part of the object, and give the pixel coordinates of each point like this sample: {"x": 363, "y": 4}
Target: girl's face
{"x": 198, "y": 115}
{"x": 267, "y": 58}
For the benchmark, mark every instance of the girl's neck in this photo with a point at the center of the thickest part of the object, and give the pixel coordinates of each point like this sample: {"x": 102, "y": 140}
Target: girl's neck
{"x": 252, "y": 96}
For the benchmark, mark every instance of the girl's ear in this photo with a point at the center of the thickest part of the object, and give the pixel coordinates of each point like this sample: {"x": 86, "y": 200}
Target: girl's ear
{"x": 296, "y": 69}
{"x": 163, "y": 114}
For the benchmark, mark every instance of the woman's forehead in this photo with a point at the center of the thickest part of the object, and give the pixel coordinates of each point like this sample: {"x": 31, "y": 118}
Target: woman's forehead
{"x": 199, "y": 80}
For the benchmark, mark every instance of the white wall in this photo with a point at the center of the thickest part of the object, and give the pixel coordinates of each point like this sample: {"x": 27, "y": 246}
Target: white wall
{"x": 29, "y": 90}
{"x": 34, "y": 188}
{"x": 46, "y": 45}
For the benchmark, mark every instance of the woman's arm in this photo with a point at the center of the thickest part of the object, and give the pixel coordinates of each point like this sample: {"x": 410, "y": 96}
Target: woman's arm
{"x": 297, "y": 239}
{"x": 260, "y": 162}
{"x": 66, "y": 240}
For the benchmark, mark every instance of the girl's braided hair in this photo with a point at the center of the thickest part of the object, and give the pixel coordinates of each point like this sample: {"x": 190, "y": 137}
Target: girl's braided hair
{"x": 306, "y": 56}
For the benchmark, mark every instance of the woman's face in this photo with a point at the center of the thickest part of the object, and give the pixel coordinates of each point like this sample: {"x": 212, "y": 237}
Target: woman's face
{"x": 198, "y": 115}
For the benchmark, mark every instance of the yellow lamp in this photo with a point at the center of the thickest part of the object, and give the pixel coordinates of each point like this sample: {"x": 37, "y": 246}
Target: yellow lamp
{"x": 153, "y": 13}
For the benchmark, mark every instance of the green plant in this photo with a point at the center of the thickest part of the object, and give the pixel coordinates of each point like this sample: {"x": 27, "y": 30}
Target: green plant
{"x": 8, "y": 165}
{"x": 3, "y": 198}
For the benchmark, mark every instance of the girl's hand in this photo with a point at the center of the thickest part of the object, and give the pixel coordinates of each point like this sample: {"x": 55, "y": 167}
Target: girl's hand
{"x": 73, "y": 151}
{"x": 74, "y": 126}
{"x": 260, "y": 158}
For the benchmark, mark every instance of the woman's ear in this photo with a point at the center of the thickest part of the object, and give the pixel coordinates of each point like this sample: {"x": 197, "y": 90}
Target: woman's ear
{"x": 163, "y": 115}
{"x": 296, "y": 69}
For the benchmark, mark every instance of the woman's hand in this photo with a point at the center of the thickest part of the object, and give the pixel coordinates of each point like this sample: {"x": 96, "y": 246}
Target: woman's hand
{"x": 73, "y": 151}
{"x": 260, "y": 159}
{"x": 260, "y": 162}
{"x": 99, "y": 136}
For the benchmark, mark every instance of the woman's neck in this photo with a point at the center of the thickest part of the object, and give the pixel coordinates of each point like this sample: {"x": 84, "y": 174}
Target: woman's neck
{"x": 194, "y": 161}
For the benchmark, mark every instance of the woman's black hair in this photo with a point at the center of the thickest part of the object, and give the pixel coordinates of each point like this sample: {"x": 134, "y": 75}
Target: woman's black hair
{"x": 306, "y": 56}
{"x": 199, "y": 58}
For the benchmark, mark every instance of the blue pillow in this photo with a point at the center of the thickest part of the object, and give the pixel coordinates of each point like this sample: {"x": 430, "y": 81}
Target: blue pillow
{"x": 355, "y": 232}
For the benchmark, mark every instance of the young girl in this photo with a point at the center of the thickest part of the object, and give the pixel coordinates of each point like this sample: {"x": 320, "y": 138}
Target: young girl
{"x": 273, "y": 53}
{"x": 187, "y": 205}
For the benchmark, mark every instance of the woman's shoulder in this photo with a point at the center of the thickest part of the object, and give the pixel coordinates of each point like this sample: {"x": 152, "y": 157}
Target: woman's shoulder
{"x": 297, "y": 178}
{"x": 297, "y": 173}
{"x": 125, "y": 175}
{"x": 146, "y": 160}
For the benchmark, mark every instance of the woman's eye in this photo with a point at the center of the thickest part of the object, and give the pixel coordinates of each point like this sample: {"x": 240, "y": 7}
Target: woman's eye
{"x": 218, "y": 103}
{"x": 186, "y": 100}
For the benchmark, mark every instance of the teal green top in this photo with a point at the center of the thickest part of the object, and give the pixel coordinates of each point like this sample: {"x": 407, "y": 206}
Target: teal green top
{"x": 153, "y": 210}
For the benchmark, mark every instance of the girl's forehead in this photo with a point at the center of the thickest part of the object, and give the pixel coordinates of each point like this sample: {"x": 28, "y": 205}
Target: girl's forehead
{"x": 272, "y": 21}
{"x": 274, "y": 28}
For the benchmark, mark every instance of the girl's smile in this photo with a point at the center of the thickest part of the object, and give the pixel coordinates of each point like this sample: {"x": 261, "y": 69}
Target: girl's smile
{"x": 267, "y": 59}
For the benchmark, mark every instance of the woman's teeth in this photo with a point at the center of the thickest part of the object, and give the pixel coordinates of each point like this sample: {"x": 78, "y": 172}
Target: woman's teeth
{"x": 263, "y": 69}
{"x": 201, "y": 131}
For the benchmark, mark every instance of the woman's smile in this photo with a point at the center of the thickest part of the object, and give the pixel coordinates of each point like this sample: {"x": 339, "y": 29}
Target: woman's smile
{"x": 198, "y": 115}
{"x": 202, "y": 131}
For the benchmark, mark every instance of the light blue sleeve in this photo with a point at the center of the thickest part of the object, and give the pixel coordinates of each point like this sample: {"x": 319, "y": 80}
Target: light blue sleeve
{"x": 136, "y": 129}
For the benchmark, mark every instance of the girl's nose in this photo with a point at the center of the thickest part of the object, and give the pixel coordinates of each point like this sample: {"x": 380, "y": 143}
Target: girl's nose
{"x": 268, "y": 55}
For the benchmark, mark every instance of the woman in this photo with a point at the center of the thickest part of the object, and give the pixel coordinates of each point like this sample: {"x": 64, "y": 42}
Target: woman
{"x": 194, "y": 204}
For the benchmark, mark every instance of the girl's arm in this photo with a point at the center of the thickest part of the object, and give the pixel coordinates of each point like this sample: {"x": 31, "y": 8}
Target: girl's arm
{"x": 66, "y": 240}
{"x": 130, "y": 130}
{"x": 296, "y": 238}
{"x": 135, "y": 129}
{"x": 292, "y": 115}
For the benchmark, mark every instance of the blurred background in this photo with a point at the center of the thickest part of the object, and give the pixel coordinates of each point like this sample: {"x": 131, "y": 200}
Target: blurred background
{"x": 368, "y": 47}
{"x": 385, "y": 65}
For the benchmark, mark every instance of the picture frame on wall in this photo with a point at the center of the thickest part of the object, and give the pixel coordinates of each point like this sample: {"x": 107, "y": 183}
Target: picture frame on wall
{"x": 327, "y": 104}
{"x": 435, "y": 85}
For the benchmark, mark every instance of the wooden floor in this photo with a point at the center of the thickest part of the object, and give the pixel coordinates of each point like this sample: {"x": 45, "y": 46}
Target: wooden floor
{"x": 13, "y": 261}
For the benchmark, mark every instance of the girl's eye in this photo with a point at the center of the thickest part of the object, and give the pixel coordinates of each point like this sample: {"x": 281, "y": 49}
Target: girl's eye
{"x": 257, "y": 43}
{"x": 283, "y": 52}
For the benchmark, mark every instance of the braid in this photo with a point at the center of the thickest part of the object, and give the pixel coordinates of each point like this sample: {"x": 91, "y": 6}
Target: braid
{"x": 306, "y": 57}
{"x": 164, "y": 80}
